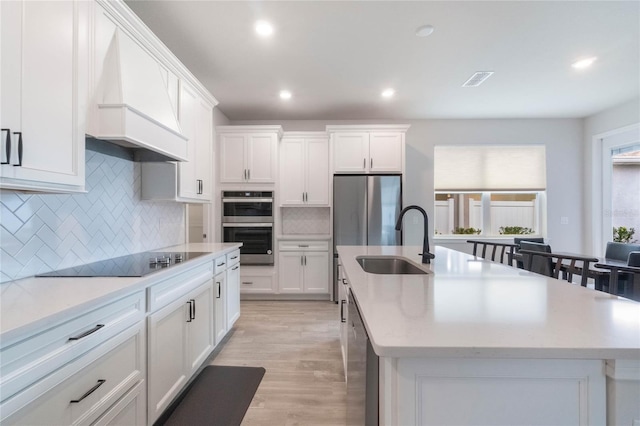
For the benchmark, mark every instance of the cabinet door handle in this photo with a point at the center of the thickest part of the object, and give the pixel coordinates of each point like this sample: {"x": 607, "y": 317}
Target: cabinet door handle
{"x": 194, "y": 308}
{"x": 303, "y": 245}
{"x": 364, "y": 163}
{"x": 305, "y": 260}
{"x": 19, "y": 149}
{"x": 89, "y": 392}
{"x": 222, "y": 264}
{"x": 7, "y": 146}
{"x": 233, "y": 269}
{"x": 234, "y": 257}
{"x": 86, "y": 333}
{"x": 371, "y": 162}
{"x": 248, "y": 174}
{"x": 190, "y": 311}
{"x": 301, "y": 261}
{"x": 218, "y": 296}
{"x": 342, "y": 318}
{"x": 247, "y": 282}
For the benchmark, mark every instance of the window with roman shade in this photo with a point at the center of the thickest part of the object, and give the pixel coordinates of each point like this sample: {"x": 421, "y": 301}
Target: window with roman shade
{"x": 490, "y": 190}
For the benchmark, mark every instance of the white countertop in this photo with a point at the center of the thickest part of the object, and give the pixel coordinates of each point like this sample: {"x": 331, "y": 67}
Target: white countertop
{"x": 30, "y": 303}
{"x": 468, "y": 307}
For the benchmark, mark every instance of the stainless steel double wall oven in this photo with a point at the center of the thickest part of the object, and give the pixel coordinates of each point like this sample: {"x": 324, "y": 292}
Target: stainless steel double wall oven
{"x": 247, "y": 218}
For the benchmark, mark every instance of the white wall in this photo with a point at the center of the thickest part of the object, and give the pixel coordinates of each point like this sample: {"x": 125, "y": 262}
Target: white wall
{"x": 613, "y": 118}
{"x": 219, "y": 119}
{"x": 562, "y": 137}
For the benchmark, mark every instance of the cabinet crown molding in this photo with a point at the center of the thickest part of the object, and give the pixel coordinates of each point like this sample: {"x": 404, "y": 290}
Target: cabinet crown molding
{"x": 368, "y": 128}
{"x": 250, "y": 128}
{"x": 302, "y": 134}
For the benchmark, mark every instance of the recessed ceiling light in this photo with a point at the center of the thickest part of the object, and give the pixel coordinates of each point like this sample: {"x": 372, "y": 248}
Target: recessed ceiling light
{"x": 424, "y": 31}
{"x": 264, "y": 29}
{"x": 584, "y": 63}
{"x": 388, "y": 93}
{"x": 285, "y": 94}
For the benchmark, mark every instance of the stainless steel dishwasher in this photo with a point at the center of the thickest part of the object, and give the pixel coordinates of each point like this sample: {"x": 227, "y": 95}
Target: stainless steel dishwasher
{"x": 362, "y": 372}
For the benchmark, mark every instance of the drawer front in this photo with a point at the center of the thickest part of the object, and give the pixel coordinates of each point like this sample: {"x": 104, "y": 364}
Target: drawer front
{"x": 82, "y": 391}
{"x": 173, "y": 288}
{"x": 220, "y": 264}
{"x": 303, "y": 245}
{"x": 129, "y": 410}
{"x": 28, "y": 360}
{"x": 233, "y": 258}
{"x": 256, "y": 284}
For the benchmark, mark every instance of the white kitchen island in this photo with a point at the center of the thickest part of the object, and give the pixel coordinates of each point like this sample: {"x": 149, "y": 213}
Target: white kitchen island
{"x": 477, "y": 342}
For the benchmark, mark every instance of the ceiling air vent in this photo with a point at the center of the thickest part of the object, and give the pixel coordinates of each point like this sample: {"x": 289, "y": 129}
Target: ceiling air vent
{"x": 476, "y": 79}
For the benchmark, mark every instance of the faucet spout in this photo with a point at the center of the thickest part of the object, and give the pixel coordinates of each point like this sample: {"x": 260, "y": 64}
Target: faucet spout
{"x": 426, "y": 255}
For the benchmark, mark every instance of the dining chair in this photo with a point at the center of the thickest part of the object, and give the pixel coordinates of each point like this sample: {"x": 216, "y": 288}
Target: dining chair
{"x": 634, "y": 258}
{"x": 632, "y": 271}
{"x": 539, "y": 264}
{"x": 517, "y": 241}
{"x": 499, "y": 252}
{"x": 620, "y": 252}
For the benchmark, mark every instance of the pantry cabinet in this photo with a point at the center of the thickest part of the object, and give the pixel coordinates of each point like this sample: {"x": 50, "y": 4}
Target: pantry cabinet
{"x": 248, "y": 153}
{"x": 303, "y": 267}
{"x": 44, "y": 50}
{"x": 304, "y": 169}
{"x": 368, "y": 149}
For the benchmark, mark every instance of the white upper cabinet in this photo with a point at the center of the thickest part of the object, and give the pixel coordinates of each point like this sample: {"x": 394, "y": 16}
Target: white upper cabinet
{"x": 248, "y": 153}
{"x": 44, "y": 50}
{"x": 188, "y": 181}
{"x": 368, "y": 148}
{"x": 304, "y": 169}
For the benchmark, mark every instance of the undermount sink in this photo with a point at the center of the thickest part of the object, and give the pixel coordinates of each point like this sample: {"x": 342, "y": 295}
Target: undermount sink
{"x": 391, "y": 265}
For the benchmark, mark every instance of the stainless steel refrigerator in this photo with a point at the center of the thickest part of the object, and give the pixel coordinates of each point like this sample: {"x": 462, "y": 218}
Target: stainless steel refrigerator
{"x": 365, "y": 210}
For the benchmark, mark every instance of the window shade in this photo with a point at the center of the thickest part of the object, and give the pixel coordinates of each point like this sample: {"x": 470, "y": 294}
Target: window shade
{"x": 490, "y": 168}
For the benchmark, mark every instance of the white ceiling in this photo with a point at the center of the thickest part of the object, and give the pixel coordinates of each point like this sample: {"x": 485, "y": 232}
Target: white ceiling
{"x": 336, "y": 57}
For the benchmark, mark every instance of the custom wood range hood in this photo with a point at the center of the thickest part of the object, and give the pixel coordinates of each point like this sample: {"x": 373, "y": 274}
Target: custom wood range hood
{"x": 132, "y": 107}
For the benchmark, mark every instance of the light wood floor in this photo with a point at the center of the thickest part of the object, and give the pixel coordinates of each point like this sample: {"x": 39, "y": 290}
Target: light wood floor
{"x": 298, "y": 344}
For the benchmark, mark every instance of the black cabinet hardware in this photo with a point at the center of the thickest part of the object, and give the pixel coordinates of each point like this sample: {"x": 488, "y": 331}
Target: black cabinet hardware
{"x": 190, "y": 311}
{"x": 88, "y": 332}
{"x": 218, "y": 296}
{"x": 89, "y": 392}
{"x": 7, "y": 146}
{"x": 194, "y": 308}
{"x": 342, "y": 318}
{"x": 19, "y": 149}
{"x": 233, "y": 269}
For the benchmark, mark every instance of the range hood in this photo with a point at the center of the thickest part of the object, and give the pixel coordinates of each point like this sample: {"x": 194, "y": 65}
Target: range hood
{"x": 133, "y": 107}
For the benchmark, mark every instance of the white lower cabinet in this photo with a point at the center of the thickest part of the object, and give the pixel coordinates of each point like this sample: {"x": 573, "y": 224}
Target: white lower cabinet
{"x": 82, "y": 391}
{"x": 180, "y": 339}
{"x": 303, "y": 267}
{"x": 233, "y": 295}
{"x": 220, "y": 308}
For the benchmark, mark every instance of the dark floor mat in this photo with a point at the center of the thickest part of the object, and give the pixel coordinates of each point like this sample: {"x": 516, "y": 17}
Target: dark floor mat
{"x": 219, "y": 396}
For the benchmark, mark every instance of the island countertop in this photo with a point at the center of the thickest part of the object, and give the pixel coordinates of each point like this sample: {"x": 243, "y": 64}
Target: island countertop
{"x": 469, "y": 307}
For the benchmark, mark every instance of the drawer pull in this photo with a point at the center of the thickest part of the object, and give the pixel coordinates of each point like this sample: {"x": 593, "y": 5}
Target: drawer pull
{"x": 303, "y": 245}
{"x": 7, "y": 146}
{"x": 89, "y": 392}
{"x": 233, "y": 269}
{"x": 222, "y": 264}
{"x": 219, "y": 290}
{"x": 88, "y": 332}
{"x": 247, "y": 282}
{"x": 234, "y": 257}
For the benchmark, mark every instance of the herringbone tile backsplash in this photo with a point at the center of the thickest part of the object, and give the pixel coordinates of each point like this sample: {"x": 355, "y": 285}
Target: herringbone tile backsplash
{"x": 41, "y": 233}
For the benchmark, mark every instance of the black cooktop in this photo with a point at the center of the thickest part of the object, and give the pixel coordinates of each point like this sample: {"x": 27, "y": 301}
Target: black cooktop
{"x": 132, "y": 265}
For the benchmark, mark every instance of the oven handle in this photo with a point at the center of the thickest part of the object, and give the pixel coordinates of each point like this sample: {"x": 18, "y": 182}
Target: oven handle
{"x": 247, "y": 225}
{"x": 241, "y": 200}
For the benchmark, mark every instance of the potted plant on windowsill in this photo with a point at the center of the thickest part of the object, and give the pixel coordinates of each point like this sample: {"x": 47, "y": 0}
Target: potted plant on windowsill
{"x": 623, "y": 235}
{"x": 466, "y": 231}
{"x": 514, "y": 230}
